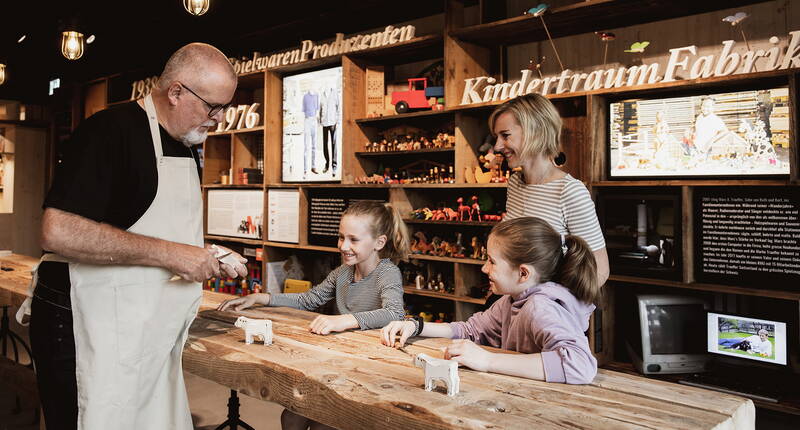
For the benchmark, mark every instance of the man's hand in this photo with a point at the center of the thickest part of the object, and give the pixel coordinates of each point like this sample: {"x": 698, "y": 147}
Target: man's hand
{"x": 325, "y": 324}
{"x": 192, "y": 263}
{"x": 469, "y": 354}
{"x": 232, "y": 265}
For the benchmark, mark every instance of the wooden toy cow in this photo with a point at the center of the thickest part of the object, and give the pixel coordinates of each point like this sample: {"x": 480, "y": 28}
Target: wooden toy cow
{"x": 253, "y": 328}
{"x": 437, "y": 369}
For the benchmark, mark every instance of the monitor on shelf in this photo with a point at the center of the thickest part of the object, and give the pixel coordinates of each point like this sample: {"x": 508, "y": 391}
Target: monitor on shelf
{"x": 732, "y": 134}
{"x": 747, "y": 338}
{"x": 669, "y": 337}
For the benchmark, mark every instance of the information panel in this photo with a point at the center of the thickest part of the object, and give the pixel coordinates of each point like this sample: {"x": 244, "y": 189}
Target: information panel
{"x": 325, "y": 208}
{"x": 748, "y": 236}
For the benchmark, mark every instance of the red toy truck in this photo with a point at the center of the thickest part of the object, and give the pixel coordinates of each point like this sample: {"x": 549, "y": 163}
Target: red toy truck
{"x": 417, "y": 95}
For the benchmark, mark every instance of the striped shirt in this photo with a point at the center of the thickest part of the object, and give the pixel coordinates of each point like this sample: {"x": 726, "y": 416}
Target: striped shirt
{"x": 564, "y": 203}
{"x": 374, "y": 301}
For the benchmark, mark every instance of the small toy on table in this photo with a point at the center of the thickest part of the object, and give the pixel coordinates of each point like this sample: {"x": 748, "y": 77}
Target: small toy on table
{"x": 439, "y": 370}
{"x": 255, "y": 327}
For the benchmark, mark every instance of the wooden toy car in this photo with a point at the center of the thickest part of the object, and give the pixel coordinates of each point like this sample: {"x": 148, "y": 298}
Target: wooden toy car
{"x": 416, "y": 97}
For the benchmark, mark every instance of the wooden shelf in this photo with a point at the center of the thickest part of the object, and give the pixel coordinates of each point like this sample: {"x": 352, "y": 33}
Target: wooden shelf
{"x": 692, "y": 182}
{"x": 411, "y": 152}
{"x": 440, "y": 295}
{"x": 447, "y": 259}
{"x": 420, "y": 48}
{"x": 242, "y": 186}
{"x": 462, "y": 186}
{"x": 458, "y": 223}
{"x": 301, "y": 247}
{"x": 586, "y": 17}
{"x": 402, "y": 117}
{"x": 234, "y": 239}
{"x": 728, "y": 289}
{"x": 259, "y": 128}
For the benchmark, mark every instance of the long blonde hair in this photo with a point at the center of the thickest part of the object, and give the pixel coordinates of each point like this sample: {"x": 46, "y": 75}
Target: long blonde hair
{"x": 539, "y": 120}
{"x": 531, "y": 240}
{"x": 386, "y": 220}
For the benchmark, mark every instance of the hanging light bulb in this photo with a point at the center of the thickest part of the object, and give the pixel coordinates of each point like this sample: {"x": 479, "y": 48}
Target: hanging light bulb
{"x": 2, "y": 73}
{"x": 72, "y": 45}
{"x": 196, "y": 7}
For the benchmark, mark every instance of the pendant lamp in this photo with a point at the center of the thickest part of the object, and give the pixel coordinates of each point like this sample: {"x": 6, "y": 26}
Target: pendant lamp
{"x": 196, "y": 7}
{"x": 72, "y": 45}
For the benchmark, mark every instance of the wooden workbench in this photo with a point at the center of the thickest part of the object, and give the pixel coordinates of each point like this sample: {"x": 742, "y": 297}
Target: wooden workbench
{"x": 349, "y": 380}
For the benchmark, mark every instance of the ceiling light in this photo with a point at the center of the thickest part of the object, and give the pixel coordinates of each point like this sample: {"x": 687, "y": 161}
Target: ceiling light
{"x": 196, "y": 7}
{"x": 90, "y": 39}
{"x": 22, "y": 38}
{"x": 72, "y": 45}
{"x": 2, "y": 73}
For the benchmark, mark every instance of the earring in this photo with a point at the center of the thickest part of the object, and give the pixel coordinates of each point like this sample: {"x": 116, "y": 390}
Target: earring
{"x": 560, "y": 159}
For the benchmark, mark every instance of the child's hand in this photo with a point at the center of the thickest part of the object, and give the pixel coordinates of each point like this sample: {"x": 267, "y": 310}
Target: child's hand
{"x": 245, "y": 302}
{"x": 403, "y": 328}
{"x": 465, "y": 352}
{"x": 325, "y": 324}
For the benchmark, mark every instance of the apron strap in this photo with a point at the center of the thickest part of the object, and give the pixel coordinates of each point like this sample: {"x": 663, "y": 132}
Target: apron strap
{"x": 24, "y": 311}
{"x": 152, "y": 119}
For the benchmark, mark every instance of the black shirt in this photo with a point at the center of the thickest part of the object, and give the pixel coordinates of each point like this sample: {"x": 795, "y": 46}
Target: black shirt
{"x": 108, "y": 173}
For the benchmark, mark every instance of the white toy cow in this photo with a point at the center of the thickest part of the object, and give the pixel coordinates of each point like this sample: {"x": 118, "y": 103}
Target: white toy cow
{"x": 253, "y": 328}
{"x": 437, "y": 369}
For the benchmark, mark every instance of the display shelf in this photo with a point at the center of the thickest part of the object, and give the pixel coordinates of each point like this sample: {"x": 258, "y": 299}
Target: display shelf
{"x": 417, "y": 49}
{"x": 237, "y": 186}
{"x": 456, "y": 223}
{"x": 585, "y": 17}
{"x": 439, "y": 295}
{"x": 458, "y": 186}
{"x": 402, "y": 117}
{"x": 237, "y": 131}
{"x": 301, "y": 247}
{"x": 691, "y": 182}
{"x": 410, "y": 152}
{"x": 234, "y": 239}
{"x": 447, "y": 259}
{"x": 728, "y": 289}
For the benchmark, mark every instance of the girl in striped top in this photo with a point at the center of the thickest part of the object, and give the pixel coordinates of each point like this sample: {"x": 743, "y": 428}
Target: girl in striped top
{"x": 367, "y": 287}
{"x": 528, "y": 129}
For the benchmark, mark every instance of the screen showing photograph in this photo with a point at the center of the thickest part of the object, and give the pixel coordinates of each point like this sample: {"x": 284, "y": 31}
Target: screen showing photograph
{"x": 312, "y": 126}
{"x": 741, "y": 337}
{"x": 236, "y": 213}
{"x": 728, "y": 134}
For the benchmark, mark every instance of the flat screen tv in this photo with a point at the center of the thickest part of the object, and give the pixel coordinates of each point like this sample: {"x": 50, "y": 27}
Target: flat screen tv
{"x": 747, "y": 338}
{"x": 734, "y": 134}
{"x": 312, "y": 126}
{"x": 669, "y": 336}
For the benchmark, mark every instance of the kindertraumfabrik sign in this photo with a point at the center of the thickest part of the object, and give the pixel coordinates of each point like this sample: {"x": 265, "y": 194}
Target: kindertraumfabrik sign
{"x": 486, "y": 89}
{"x": 309, "y": 50}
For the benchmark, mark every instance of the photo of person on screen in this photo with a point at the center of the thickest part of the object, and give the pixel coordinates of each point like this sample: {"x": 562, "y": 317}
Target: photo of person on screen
{"x": 757, "y": 344}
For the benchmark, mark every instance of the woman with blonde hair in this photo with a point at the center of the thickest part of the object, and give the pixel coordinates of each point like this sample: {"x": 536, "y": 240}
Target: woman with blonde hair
{"x": 528, "y": 129}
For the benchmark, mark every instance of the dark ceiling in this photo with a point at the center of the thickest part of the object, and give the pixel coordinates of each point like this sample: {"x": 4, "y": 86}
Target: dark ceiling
{"x": 140, "y": 35}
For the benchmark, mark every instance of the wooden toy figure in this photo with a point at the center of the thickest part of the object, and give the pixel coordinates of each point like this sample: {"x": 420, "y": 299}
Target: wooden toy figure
{"x": 439, "y": 370}
{"x": 463, "y": 209}
{"x": 254, "y": 327}
{"x": 476, "y": 247}
{"x": 476, "y": 209}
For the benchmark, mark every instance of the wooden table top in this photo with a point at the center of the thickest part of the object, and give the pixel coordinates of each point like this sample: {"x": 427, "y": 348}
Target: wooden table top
{"x": 349, "y": 380}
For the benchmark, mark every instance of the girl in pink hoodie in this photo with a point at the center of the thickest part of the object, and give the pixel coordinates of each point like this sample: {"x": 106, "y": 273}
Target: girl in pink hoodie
{"x": 549, "y": 282}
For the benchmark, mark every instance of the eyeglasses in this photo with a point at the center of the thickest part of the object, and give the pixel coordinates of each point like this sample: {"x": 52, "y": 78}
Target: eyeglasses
{"x": 212, "y": 109}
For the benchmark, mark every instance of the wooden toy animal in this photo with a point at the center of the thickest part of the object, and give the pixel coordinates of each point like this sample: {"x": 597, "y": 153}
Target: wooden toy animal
{"x": 253, "y": 327}
{"x": 464, "y": 211}
{"x": 439, "y": 370}
{"x": 451, "y": 214}
{"x": 476, "y": 209}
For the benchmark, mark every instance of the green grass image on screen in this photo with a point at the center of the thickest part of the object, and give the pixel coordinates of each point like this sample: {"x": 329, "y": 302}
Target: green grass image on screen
{"x": 737, "y": 334}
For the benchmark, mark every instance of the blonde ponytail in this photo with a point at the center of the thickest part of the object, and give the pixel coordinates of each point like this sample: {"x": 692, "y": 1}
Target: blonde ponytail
{"x": 386, "y": 220}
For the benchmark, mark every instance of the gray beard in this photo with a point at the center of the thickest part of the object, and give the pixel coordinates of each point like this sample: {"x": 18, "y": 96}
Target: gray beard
{"x": 194, "y": 137}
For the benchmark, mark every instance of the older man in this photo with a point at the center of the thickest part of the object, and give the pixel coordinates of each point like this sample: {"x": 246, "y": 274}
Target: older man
{"x": 109, "y": 317}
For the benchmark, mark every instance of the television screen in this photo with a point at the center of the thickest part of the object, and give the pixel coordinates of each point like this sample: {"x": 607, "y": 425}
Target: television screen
{"x": 727, "y": 134}
{"x": 312, "y": 126}
{"x": 749, "y": 338}
{"x": 671, "y": 328}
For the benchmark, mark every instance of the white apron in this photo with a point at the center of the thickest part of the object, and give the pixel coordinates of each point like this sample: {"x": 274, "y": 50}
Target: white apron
{"x": 131, "y": 322}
